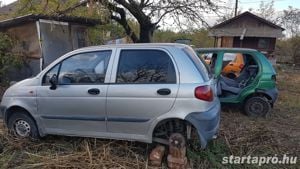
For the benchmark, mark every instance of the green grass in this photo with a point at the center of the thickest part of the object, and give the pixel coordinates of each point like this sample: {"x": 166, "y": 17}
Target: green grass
{"x": 212, "y": 155}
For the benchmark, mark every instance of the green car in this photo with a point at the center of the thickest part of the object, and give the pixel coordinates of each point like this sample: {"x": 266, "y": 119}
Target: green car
{"x": 255, "y": 86}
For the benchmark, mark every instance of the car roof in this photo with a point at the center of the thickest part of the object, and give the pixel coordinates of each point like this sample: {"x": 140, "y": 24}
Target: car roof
{"x": 136, "y": 45}
{"x": 225, "y": 49}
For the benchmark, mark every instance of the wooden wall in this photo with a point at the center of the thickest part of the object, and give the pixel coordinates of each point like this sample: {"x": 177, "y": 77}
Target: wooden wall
{"x": 27, "y": 41}
{"x": 252, "y": 42}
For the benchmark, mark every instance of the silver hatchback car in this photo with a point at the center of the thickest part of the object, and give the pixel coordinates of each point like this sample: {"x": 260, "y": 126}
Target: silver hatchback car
{"x": 141, "y": 92}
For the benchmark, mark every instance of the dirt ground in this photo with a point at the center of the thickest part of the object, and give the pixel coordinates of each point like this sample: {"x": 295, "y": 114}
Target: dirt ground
{"x": 276, "y": 135}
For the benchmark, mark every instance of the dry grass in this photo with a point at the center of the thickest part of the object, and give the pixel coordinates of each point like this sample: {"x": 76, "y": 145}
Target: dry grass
{"x": 67, "y": 152}
{"x": 277, "y": 134}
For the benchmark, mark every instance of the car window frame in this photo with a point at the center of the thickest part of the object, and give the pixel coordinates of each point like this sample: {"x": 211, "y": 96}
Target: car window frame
{"x": 74, "y": 54}
{"x": 117, "y": 62}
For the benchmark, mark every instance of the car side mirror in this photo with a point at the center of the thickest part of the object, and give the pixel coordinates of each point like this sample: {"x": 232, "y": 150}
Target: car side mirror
{"x": 53, "y": 82}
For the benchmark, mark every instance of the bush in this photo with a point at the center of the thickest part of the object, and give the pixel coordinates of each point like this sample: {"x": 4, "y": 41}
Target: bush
{"x": 288, "y": 50}
{"x": 8, "y": 59}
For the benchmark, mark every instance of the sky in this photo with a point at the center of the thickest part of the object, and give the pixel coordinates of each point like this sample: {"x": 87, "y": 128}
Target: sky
{"x": 245, "y": 4}
{"x": 279, "y": 5}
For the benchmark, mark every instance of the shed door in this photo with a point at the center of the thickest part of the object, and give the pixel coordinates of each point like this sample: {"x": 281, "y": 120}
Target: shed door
{"x": 55, "y": 39}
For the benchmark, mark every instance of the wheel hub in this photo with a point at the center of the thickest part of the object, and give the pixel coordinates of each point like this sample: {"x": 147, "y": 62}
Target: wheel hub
{"x": 256, "y": 107}
{"x": 22, "y": 128}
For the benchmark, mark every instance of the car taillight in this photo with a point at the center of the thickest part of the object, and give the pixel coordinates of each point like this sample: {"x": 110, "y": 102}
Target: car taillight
{"x": 204, "y": 93}
{"x": 241, "y": 66}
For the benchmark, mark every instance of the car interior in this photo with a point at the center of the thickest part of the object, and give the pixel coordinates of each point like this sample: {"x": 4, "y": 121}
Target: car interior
{"x": 228, "y": 87}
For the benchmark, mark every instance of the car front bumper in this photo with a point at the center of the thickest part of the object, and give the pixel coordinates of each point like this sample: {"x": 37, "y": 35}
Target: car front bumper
{"x": 206, "y": 123}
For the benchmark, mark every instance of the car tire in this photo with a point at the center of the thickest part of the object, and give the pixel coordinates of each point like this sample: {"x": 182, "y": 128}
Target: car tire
{"x": 257, "y": 107}
{"x": 21, "y": 125}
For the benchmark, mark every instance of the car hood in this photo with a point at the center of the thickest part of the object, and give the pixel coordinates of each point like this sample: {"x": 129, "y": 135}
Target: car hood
{"x": 22, "y": 87}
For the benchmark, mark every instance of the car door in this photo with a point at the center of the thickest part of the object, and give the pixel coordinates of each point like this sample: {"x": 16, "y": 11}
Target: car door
{"x": 144, "y": 86}
{"x": 78, "y": 104}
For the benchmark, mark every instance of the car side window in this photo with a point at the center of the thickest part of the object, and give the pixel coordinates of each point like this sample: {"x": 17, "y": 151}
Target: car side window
{"x": 145, "y": 66}
{"x": 210, "y": 59}
{"x": 84, "y": 68}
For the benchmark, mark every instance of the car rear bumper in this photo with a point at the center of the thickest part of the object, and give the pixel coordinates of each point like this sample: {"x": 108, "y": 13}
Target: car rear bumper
{"x": 206, "y": 123}
{"x": 273, "y": 93}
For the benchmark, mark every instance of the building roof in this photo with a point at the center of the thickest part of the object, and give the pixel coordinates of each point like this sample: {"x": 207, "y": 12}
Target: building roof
{"x": 35, "y": 17}
{"x": 8, "y": 8}
{"x": 231, "y": 28}
{"x": 249, "y": 14}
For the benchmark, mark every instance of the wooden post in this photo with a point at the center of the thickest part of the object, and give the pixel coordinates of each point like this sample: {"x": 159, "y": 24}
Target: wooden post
{"x": 177, "y": 152}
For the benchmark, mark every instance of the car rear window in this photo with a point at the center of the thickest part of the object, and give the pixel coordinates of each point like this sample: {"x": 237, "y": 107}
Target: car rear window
{"x": 199, "y": 63}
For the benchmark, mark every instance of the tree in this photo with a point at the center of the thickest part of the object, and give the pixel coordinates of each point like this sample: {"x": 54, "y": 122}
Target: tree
{"x": 291, "y": 21}
{"x": 147, "y": 13}
{"x": 267, "y": 11}
{"x": 289, "y": 18}
{"x": 44, "y": 6}
{"x": 199, "y": 37}
{"x": 228, "y": 13}
{"x": 289, "y": 50}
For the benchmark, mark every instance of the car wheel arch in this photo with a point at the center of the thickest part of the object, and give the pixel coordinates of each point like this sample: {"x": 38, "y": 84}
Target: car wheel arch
{"x": 15, "y": 109}
{"x": 164, "y": 121}
{"x": 187, "y": 122}
{"x": 260, "y": 93}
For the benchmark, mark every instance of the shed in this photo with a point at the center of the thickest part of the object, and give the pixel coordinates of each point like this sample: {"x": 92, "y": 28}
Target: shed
{"x": 42, "y": 38}
{"x": 247, "y": 31}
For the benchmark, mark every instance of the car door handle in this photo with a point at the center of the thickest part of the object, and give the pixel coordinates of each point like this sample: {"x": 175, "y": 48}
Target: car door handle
{"x": 164, "y": 91}
{"x": 94, "y": 91}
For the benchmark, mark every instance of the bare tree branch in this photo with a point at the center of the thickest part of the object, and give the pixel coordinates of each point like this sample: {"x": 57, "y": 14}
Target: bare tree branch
{"x": 150, "y": 13}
